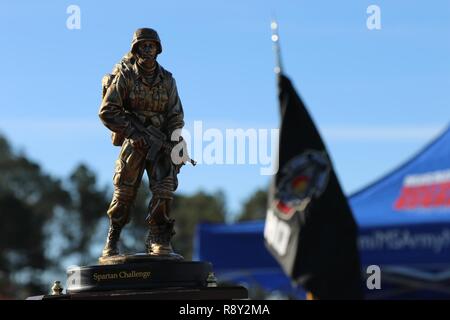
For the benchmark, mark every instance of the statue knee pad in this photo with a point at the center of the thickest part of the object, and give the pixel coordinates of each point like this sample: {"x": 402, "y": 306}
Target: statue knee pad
{"x": 119, "y": 209}
{"x": 163, "y": 189}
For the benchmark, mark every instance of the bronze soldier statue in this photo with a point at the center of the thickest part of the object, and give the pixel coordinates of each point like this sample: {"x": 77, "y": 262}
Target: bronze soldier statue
{"x": 142, "y": 108}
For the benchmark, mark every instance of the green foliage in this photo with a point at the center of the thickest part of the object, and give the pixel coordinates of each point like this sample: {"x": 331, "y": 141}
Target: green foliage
{"x": 25, "y": 179}
{"x": 21, "y": 235}
{"x": 188, "y": 211}
{"x": 255, "y": 207}
{"x": 79, "y": 223}
{"x": 28, "y": 200}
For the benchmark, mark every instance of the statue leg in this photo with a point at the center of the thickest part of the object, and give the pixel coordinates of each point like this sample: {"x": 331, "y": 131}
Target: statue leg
{"x": 127, "y": 178}
{"x": 163, "y": 182}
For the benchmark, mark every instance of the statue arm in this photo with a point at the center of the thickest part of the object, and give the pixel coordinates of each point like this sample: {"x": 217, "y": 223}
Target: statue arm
{"x": 112, "y": 112}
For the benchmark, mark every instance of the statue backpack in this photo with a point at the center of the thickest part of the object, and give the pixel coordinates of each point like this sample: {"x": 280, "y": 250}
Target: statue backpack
{"x": 107, "y": 80}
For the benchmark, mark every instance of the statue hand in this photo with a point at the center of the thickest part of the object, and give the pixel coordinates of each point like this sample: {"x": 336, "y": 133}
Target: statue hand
{"x": 138, "y": 141}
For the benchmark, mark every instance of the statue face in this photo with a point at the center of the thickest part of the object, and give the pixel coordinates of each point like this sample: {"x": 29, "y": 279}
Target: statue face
{"x": 147, "y": 50}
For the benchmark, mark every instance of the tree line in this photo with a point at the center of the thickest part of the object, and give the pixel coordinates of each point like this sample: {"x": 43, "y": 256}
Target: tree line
{"x": 48, "y": 222}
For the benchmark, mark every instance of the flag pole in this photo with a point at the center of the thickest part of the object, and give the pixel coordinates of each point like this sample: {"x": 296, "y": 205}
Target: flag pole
{"x": 276, "y": 47}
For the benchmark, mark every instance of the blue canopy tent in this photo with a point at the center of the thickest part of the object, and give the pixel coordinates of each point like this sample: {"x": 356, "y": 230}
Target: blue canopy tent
{"x": 239, "y": 255}
{"x": 404, "y": 221}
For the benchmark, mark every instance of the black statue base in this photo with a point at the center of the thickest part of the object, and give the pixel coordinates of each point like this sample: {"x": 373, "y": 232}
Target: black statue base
{"x": 142, "y": 276}
{"x": 138, "y": 275}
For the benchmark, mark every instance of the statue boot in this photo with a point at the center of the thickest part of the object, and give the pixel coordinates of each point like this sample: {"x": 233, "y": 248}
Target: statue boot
{"x": 112, "y": 241}
{"x": 160, "y": 233}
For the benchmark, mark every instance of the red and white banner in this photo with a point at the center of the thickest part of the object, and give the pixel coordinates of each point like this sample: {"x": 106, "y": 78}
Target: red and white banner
{"x": 426, "y": 190}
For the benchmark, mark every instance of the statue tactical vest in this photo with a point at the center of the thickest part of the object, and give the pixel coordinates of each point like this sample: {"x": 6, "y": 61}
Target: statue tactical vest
{"x": 148, "y": 102}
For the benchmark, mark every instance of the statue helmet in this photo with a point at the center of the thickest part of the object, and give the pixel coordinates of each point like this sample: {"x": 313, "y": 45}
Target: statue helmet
{"x": 145, "y": 34}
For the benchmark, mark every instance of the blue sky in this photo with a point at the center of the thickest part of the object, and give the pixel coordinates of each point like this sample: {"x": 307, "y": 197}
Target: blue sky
{"x": 377, "y": 96}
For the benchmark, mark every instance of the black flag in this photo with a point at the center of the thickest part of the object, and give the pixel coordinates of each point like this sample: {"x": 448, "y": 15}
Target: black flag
{"x": 309, "y": 227}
